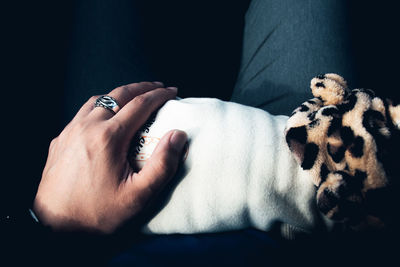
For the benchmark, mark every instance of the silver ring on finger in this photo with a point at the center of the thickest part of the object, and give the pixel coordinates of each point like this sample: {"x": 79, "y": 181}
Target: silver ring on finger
{"x": 107, "y": 102}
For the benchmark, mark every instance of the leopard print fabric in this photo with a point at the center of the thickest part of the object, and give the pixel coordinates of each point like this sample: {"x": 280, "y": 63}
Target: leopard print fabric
{"x": 347, "y": 141}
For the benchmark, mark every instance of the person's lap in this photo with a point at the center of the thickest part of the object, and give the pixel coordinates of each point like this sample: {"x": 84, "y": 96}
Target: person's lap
{"x": 285, "y": 44}
{"x": 238, "y": 248}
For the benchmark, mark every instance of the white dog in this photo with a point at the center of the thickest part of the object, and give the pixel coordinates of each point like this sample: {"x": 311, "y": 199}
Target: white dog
{"x": 238, "y": 171}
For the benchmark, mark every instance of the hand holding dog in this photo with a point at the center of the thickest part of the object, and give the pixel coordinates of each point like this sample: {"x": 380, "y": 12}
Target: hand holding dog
{"x": 87, "y": 182}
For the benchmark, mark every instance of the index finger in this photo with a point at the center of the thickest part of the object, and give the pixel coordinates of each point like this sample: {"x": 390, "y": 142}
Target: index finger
{"x": 135, "y": 113}
{"x": 123, "y": 95}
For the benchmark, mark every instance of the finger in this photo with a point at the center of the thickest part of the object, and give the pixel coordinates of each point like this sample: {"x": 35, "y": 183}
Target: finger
{"x": 158, "y": 170}
{"x": 136, "y": 112}
{"x": 86, "y": 108}
{"x": 123, "y": 95}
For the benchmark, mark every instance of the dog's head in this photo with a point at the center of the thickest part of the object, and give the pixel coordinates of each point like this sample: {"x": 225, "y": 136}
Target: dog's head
{"x": 348, "y": 142}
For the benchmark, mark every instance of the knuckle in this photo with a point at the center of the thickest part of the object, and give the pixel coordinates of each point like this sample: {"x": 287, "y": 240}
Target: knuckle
{"x": 114, "y": 127}
{"x": 80, "y": 126}
{"x": 109, "y": 131}
{"x": 53, "y": 143}
{"x": 101, "y": 140}
{"x": 146, "y": 83}
{"x": 97, "y": 137}
{"x": 92, "y": 99}
{"x": 122, "y": 88}
{"x": 106, "y": 134}
{"x": 142, "y": 100}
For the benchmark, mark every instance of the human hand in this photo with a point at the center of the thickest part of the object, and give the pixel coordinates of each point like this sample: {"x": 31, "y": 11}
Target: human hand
{"x": 87, "y": 182}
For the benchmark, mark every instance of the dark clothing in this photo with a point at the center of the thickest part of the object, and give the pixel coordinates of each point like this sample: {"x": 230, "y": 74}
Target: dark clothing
{"x": 286, "y": 43}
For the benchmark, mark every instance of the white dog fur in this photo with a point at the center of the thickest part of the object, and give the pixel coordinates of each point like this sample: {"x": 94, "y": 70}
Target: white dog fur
{"x": 238, "y": 172}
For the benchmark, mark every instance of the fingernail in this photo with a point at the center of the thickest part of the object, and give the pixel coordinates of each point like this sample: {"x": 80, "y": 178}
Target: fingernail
{"x": 161, "y": 84}
{"x": 178, "y": 140}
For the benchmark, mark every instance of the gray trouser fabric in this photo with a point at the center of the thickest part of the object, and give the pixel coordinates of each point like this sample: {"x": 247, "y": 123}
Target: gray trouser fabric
{"x": 285, "y": 44}
{"x": 197, "y": 47}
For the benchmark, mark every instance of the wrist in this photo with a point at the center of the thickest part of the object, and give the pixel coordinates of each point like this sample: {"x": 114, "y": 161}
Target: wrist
{"x": 44, "y": 216}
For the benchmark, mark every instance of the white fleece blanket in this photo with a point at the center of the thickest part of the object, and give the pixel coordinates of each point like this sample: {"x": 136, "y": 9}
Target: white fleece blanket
{"x": 238, "y": 171}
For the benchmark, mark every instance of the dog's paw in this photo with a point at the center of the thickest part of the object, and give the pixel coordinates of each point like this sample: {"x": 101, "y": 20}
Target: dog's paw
{"x": 339, "y": 195}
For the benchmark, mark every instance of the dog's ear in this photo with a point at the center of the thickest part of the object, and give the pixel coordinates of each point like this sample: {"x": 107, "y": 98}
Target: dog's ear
{"x": 296, "y": 138}
{"x": 330, "y": 88}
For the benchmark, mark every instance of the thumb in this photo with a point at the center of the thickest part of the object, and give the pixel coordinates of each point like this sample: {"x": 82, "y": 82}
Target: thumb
{"x": 158, "y": 170}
